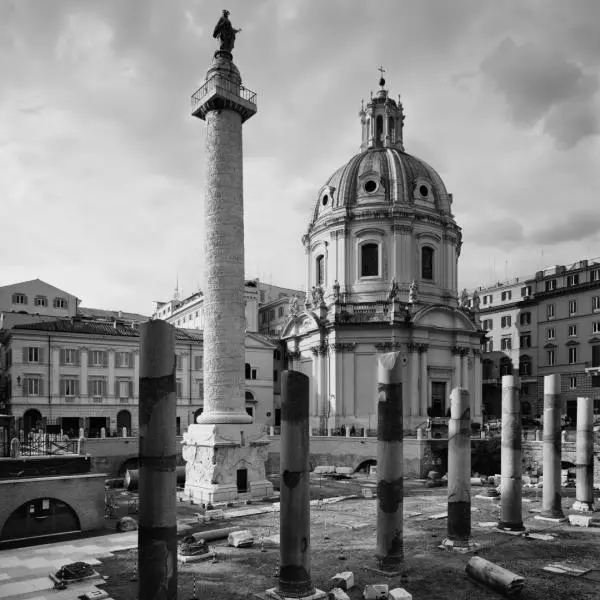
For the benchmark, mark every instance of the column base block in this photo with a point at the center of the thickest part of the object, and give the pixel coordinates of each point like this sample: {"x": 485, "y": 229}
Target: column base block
{"x": 461, "y": 546}
{"x": 551, "y": 519}
{"x": 581, "y": 506}
{"x": 516, "y": 528}
{"x": 273, "y": 594}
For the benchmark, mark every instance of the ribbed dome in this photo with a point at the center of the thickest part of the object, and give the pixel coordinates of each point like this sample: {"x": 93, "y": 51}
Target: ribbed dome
{"x": 384, "y": 175}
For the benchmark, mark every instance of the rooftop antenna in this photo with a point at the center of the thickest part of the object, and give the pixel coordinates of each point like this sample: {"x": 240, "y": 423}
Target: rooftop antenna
{"x": 176, "y": 295}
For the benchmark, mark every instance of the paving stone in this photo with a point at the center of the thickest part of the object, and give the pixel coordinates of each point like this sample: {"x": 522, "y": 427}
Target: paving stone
{"x": 399, "y": 594}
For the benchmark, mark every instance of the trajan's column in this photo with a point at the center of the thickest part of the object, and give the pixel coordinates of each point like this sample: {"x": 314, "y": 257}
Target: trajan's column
{"x": 225, "y": 452}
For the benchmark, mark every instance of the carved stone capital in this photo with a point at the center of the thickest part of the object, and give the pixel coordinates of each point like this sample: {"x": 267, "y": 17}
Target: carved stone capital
{"x": 413, "y": 347}
{"x": 388, "y": 346}
{"x": 342, "y": 347}
{"x": 294, "y": 354}
{"x": 320, "y": 349}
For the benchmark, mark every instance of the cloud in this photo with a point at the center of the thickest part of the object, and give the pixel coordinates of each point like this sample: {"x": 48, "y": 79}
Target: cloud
{"x": 541, "y": 84}
{"x": 495, "y": 232}
{"x": 574, "y": 227}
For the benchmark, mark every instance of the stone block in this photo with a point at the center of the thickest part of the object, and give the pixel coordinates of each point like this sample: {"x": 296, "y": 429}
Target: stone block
{"x": 324, "y": 470}
{"x": 214, "y": 514}
{"x": 337, "y": 594}
{"x": 580, "y": 520}
{"x": 127, "y": 524}
{"x": 497, "y": 480}
{"x": 95, "y": 594}
{"x": 376, "y": 591}
{"x": 344, "y": 470}
{"x": 240, "y": 539}
{"x": 399, "y": 594}
{"x": 344, "y": 580}
{"x": 526, "y": 480}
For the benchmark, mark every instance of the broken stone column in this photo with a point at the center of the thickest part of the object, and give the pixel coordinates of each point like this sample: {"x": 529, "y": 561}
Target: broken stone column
{"x": 551, "y": 497}
{"x": 294, "y": 572}
{"x": 511, "y": 517}
{"x": 390, "y": 468}
{"x": 584, "y": 459}
{"x": 157, "y": 536}
{"x": 459, "y": 470}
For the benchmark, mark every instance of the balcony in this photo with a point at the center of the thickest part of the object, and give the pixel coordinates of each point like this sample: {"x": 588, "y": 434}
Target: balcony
{"x": 220, "y": 92}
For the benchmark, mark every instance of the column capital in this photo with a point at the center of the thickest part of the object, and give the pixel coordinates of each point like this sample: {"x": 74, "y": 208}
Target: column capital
{"x": 342, "y": 347}
{"x": 388, "y": 346}
{"x": 294, "y": 354}
{"x": 320, "y": 349}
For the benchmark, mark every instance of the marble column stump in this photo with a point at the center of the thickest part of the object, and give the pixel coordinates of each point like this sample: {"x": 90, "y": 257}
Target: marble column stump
{"x": 459, "y": 471}
{"x": 294, "y": 547}
{"x": 390, "y": 468}
{"x": 157, "y": 535}
{"x": 511, "y": 518}
{"x": 551, "y": 496}
{"x": 584, "y": 460}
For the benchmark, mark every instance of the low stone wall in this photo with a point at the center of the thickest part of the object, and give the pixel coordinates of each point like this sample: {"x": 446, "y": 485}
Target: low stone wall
{"x": 83, "y": 493}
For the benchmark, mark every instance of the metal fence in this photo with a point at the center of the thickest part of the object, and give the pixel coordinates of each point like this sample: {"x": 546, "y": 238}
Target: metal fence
{"x": 46, "y": 444}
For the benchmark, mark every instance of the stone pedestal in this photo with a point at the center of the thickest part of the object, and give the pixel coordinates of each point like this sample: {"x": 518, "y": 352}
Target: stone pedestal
{"x": 216, "y": 456}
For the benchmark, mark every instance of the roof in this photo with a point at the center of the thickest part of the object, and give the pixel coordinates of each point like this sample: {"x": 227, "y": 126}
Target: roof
{"x": 263, "y": 339}
{"x": 100, "y": 313}
{"x": 395, "y": 176}
{"x": 80, "y": 327}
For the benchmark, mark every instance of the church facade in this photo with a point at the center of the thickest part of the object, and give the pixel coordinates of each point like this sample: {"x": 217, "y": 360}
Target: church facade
{"x": 382, "y": 251}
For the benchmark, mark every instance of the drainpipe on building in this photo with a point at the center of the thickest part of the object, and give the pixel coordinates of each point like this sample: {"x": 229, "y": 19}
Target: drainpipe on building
{"x": 49, "y": 382}
{"x": 190, "y": 389}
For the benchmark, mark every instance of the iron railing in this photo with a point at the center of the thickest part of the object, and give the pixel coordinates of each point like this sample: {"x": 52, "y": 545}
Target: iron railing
{"x": 218, "y": 82}
{"x": 46, "y": 444}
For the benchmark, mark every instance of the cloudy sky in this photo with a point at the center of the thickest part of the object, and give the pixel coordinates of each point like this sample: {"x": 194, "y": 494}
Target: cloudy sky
{"x": 102, "y": 166}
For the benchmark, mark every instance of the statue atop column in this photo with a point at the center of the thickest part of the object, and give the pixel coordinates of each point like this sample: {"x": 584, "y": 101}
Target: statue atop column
{"x": 413, "y": 291}
{"x": 464, "y": 299}
{"x": 225, "y": 31}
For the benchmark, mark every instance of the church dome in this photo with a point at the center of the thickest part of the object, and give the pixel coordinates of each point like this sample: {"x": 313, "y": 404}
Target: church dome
{"x": 383, "y": 175}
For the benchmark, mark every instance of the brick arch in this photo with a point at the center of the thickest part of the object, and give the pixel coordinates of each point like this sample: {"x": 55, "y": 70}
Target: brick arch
{"x": 363, "y": 462}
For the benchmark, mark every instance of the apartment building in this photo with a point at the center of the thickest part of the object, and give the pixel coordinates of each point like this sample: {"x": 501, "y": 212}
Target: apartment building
{"x": 539, "y": 325}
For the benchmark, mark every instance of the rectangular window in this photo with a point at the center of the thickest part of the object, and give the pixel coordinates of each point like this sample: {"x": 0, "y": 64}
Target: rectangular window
{"x": 550, "y": 311}
{"x": 179, "y": 361}
{"x": 573, "y": 383}
{"x": 526, "y": 291}
{"x": 274, "y": 374}
{"x": 488, "y": 324}
{"x": 595, "y": 303}
{"x": 506, "y": 343}
{"x": 507, "y": 295}
{"x": 525, "y": 341}
{"x": 60, "y": 303}
{"x": 572, "y": 330}
{"x": 596, "y": 327}
{"x": 550, "y": 333}
{"x": 19, "y": 299}
{"x": 179, "y": 389}
{"x": 123, "y": 359}
{"x": 572, "y": 307}
{"x": 41, "y": 301}
{"x": 70, "y": 356}
{"x": 550, "y": 285}
{"x": 32, "y": 386}
{"x": 253, "y": 373}
{"x": 69, "y": 387}
{"x": 506, "y": 321}
{"x": 596, "y": 355}
{"x": 572, "y": 280}
{"x": 123, "y": 388}
{"x": 97, "y": 358}
{"x": 262, "y": 296}
{"x": 491, "y": 298}
{"x": 485, "y": 299}
{"x": 525, "y": 390}
{"x": 525, "y": 318}
{"x": 198, "y": 363}
{"x": 572, "y": 356}
{"x": 550, "y": 358}
{"x": 595, "y": 275}
{"x": 33, "y": 354}
{"x": 489, "y": 346}
{"x": 97, "y": 388}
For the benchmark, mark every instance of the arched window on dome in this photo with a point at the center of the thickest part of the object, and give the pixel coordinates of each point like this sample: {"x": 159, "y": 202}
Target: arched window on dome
{"x": 391, "y": 128}
{"x": 369, "y": 260}
{"x": 379, "y": 128}
{"x": 320, "y": 264}
{"x": 427, "y": 262}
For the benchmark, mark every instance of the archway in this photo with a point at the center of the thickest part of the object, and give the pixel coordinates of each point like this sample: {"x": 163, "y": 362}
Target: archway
{"x": 32, "y": 419}
{"x": 366, "y": 465}
{"x": 123, "y": 420}
{"x": 40, "y": 517}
